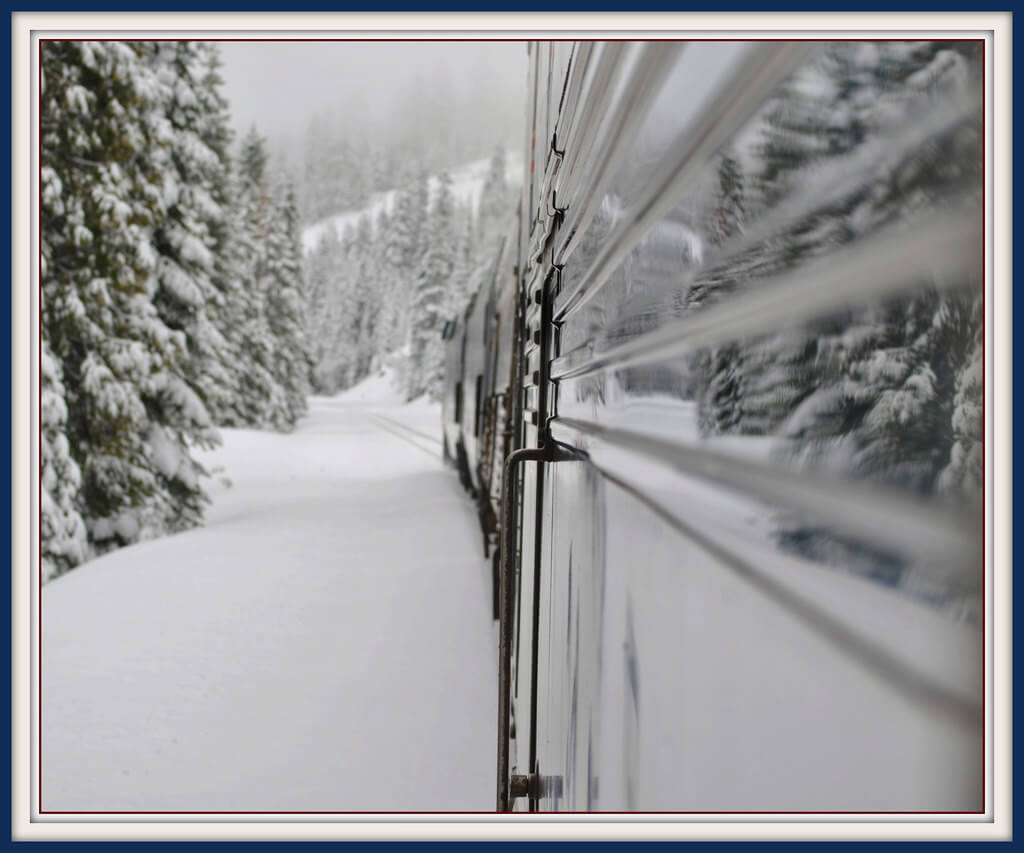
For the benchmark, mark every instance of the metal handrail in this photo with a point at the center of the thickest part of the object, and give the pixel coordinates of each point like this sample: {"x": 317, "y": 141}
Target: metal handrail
{"x": 882, "y": 265}
{"x": 509, "y": 500}
{"x": 837, "y": 180}
{"x": 941, "y": 539}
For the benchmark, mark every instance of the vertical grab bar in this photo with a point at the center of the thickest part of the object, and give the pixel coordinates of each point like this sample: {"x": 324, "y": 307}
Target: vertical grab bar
{"x": 509, "y": 500}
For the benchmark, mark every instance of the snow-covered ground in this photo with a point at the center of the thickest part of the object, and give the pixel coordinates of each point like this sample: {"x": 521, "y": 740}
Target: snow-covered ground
{"x": 324, "y": 643}
{"x": 467, "y": 184}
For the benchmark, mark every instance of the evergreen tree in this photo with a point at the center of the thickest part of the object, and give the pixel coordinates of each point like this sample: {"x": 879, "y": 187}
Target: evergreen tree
{"x": 496, "y": 203}
{"x": 873, "y": 387}
{"x": 963, "y": 473}
{"x": 264, "y": 401}
{"x": 62, "y": 529}
{"x": 464, "y": 270}
{"x": 322, "y": 268}
{"x": 221, "y": 350}
{"x": 284, "y": 309}
{"x": 721, "y": 386}
{"x": 184, "y": 269}
{"x": 390, "y": 279}
{"x": 432, "y": 299}
{"x": 894, "y": 404}
{"x": 103, "y": 151}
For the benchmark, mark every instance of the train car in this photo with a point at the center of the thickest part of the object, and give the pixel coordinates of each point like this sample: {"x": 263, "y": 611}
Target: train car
{"x": 499, "y": 405}
{"x": 480, "y": 356}
{"x": 468, "y": 356}
{"x": 451, "y": 399}
{"x": 741, "y": 527}
{"x": 474, "y": 372}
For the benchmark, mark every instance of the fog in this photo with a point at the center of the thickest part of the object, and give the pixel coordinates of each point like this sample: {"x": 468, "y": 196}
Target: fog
{"x": 398, "y": 88}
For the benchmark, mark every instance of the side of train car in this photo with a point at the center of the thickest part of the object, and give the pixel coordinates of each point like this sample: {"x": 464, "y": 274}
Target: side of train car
{"x": 720, "y": 406}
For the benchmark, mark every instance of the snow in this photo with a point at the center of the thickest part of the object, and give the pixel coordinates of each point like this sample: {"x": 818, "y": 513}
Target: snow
{"x": 379, "y": 387}
{"x": 323, "y": 643}
{"x": 467, "y": 184}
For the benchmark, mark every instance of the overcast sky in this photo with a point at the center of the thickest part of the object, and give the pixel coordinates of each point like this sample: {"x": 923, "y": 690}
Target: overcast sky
{"x": 279, "y": 86}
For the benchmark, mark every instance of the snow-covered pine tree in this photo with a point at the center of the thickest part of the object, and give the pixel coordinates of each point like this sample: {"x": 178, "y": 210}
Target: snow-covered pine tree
{"x": 463, "y": 273}
{"x": 720, "y": 369}
{"x": 885, "y": 381}
{"x": 292, "y": 363}
{"x": 822, "y": 113}
{"x": 495, "y": 204}
{"x": 103, "y": 150}
{"x": 62, "y": 529}
{"x": 390, "y": 280}
{"x": 963, "y": 474}
{"x": 432, "y": 299}
{"x": 872, "y": 389}
{"x": 367, "y": 300}
{"x": 185, "y": 291}
{"x": 409, "y": 224}
{"x": 322, "y": 267}
{"x": 263, "y": 400}
{"x": 221, "y": 380}
{"x": 729, "y": 210}
{"x": 315, "y": 194}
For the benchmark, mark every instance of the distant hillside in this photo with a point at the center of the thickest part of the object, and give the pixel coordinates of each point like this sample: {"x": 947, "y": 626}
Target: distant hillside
{"x": 467, "y": 184}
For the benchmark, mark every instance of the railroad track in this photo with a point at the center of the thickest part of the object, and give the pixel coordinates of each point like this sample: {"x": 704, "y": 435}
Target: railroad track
{"x": 420, "y": 440}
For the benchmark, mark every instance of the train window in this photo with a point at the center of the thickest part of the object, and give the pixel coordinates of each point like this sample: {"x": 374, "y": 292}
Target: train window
{"x": 479, "y": 405}
{"x": 458, "y": 402}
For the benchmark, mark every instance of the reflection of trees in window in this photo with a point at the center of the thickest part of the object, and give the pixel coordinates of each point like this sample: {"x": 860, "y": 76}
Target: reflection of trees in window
{"x": 891, "y": 392}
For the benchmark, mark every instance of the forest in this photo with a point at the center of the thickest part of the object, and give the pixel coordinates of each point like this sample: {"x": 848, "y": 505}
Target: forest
{"x": 175, "y": 298}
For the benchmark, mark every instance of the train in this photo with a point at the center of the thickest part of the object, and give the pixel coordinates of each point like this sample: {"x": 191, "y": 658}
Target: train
{"x": 719, "y": 401}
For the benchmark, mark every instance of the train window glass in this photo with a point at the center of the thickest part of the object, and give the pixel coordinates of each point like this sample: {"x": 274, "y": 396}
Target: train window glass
{"x": 479, "y": 405}
{"x": 458, "y": 402}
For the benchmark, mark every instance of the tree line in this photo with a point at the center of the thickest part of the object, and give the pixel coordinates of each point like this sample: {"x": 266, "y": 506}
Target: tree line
{"x": 172, "y": 295}
{"x": 380, "y": 292}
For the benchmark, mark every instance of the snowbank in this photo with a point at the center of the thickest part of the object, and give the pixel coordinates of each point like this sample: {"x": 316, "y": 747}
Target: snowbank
{"x": 380, "y": 387}
{"x": 323, "y": 644}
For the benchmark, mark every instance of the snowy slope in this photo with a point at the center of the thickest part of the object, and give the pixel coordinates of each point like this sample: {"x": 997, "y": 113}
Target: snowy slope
{"x": 467, "y": 184}
{"x": 323, "y": 643}
{"x": 382, "y": 387}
